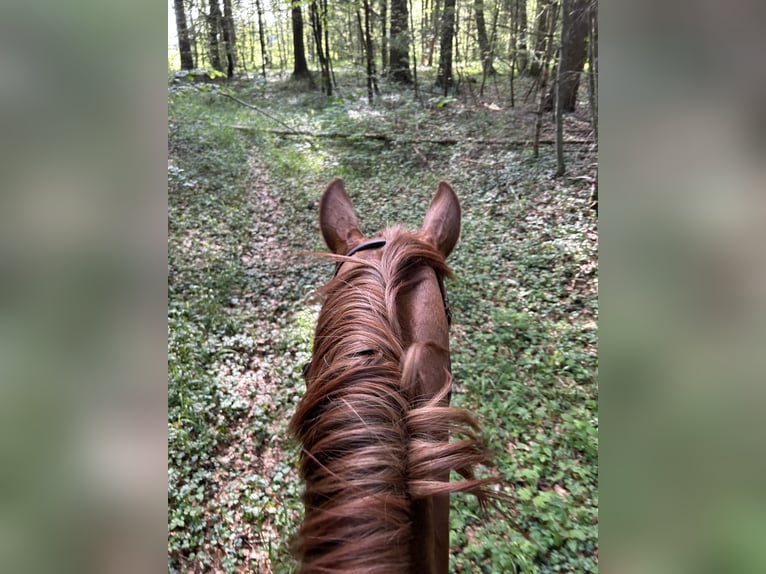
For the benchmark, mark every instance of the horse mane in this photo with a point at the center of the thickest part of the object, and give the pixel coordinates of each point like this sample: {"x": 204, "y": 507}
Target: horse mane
{"x": 367, "y": 437}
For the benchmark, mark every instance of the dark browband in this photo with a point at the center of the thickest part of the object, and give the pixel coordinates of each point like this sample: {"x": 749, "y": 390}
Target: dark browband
{"x": 370, "y": 244}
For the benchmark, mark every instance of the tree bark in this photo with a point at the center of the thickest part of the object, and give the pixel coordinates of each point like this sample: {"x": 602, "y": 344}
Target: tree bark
{"x": 399, "y": 49}
{"x": 521, "y": 40}
{"x": 565, "y": 22}
{"x": 229, "y": 38}
{"x": 484, "y": 46}
{"x": 444, "y": 76}
{"x": 261, "y": 38}
{"x": 541, "y": 34}
{"x": 383, "y": 36}
{"x": 573, "y": 58}
{"x": 184, "y": 44}
{"x": 214, "y": 30}
{"x": 550, "y": 25}
{"x": 434, "y": 32}
{"x": 319, "y": 42}
{"x": 372, "y": 82}
{"x": 300, "y": 67}
{"x": 593, "y": 68}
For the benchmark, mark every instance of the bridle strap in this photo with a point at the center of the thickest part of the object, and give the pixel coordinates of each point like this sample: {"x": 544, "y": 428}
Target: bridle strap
{"x": 369, "y": 244}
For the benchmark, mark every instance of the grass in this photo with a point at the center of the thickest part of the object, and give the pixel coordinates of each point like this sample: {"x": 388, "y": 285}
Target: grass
{"x": 242, "y": 213}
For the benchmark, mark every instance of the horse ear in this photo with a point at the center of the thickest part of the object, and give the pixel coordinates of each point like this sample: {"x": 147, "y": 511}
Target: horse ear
{"x": 441, "y": 225}
{"x": 337, "y": 219}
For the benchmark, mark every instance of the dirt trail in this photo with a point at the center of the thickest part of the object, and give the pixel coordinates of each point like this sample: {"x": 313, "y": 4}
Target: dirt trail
{"x": 259, "y": 383}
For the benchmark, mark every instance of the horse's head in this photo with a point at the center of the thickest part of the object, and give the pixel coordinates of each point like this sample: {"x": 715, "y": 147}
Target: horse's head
{"x": 421, "y": 307}
{"x": 374, "y": 423}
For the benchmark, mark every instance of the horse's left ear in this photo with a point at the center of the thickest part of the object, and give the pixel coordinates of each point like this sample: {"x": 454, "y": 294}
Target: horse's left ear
{"x": 441, "y": 225}
{"x": 337, "y": 219}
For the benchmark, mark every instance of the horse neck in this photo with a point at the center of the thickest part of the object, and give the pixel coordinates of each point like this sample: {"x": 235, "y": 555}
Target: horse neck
{"x": 424, "y": 329}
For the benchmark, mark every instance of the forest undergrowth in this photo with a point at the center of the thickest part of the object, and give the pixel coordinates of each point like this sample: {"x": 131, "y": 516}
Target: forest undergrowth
{"x": 242, "y": 222}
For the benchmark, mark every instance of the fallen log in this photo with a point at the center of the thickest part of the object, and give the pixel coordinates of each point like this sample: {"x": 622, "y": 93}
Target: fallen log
{"x": 404, "y": 140}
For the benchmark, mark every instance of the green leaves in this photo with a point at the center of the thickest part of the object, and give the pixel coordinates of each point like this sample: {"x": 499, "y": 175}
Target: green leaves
{"x": 242, "y": 214}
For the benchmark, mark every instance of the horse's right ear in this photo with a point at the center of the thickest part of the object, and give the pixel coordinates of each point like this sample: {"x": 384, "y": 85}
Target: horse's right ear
{"x": 441, "y": 225}
{"x": 337, "y": 219}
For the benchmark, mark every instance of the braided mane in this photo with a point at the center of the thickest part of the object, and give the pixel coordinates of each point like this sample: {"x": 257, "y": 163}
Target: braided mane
{"x": 368, "y": 436}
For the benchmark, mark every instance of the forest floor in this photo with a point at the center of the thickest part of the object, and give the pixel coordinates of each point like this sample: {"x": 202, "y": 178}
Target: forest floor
{"x": 243, "y": 191}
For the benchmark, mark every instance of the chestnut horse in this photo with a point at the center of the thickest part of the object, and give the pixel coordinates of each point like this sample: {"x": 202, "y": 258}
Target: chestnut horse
{"x": 375, "y": 422}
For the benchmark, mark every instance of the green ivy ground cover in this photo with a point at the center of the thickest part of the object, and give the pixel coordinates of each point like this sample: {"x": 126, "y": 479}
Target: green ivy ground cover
{"x": 242, "y": 217}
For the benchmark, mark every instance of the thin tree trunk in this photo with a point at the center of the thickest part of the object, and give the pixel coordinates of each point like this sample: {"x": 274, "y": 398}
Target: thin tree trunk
{"x": 214, "y": 29}
{"x": 492, "y": 43}
{"x": 434, "y": 32}
{"x": 424, "y": 31}
{"x": 399, "y": 49}
{"x": 357, "y": 48}
{"x": 444, "y": 76}
{"x": 520, "y": 45}
{"x": 262, "y": 38}
{"x": 184, "y": 44}
{"x": 319, "y": 42}
{"x": 541, "y": 34}
{"x": 328, "y": 56}
{"x": 560, "y": 167}
{"x": 384, "y": 37}
{"x": 484, "y": 44}
{"x": 551, "y": 26}
{"x": 250, "y": 33}
{"x": 229, "y": 38}
{"x": 414, "y": 54}
{"x": 193, "y": 39}
{"x": 372, "y": 83}
{"x": 576, "y": 54}
{"x": 514, "y": 13}
{"x": 362, "y": 59}
{"x": 593, "y": 68}
{"x": 300, "y": 67}
{"x": 281, "y": 44}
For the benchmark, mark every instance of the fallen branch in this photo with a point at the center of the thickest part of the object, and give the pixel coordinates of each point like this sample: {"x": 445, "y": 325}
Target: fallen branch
{"x": 260, "y": 111}
{"x": 400, "y": 140}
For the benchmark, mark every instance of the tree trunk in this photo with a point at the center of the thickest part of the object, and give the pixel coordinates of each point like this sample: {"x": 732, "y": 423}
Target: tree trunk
{"x": 319, "y": 42}
{"x": 492, "y": 44}
{"x": 434, "y": 32}
{"x": 593, "y": 68}
{"x": 399, "y": 62}
{"x": 573, "y": 58}
{"x": 229, "y": 38}
{"x": 214, "y": 30}
{"x": 328, "y": 56}
{"x": 184, "y": 44}
{"x": 194, "y": 43}
{"x": 414, "y": 52}
{"x": 300, "y": 67}
{"x": 424, "y": 12}
{"x": 261, "y": 38}
{"x": 541, "y": 34}
{"x": 444, "y": 76}
{"x": 372, "y": 82}
{"x": 550, "y": 25}
{"x": 484, "y": 46}
{"x": 560, "y": 167}
{"x": 521, "y": 40}
{"x": 383, "y": 36}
